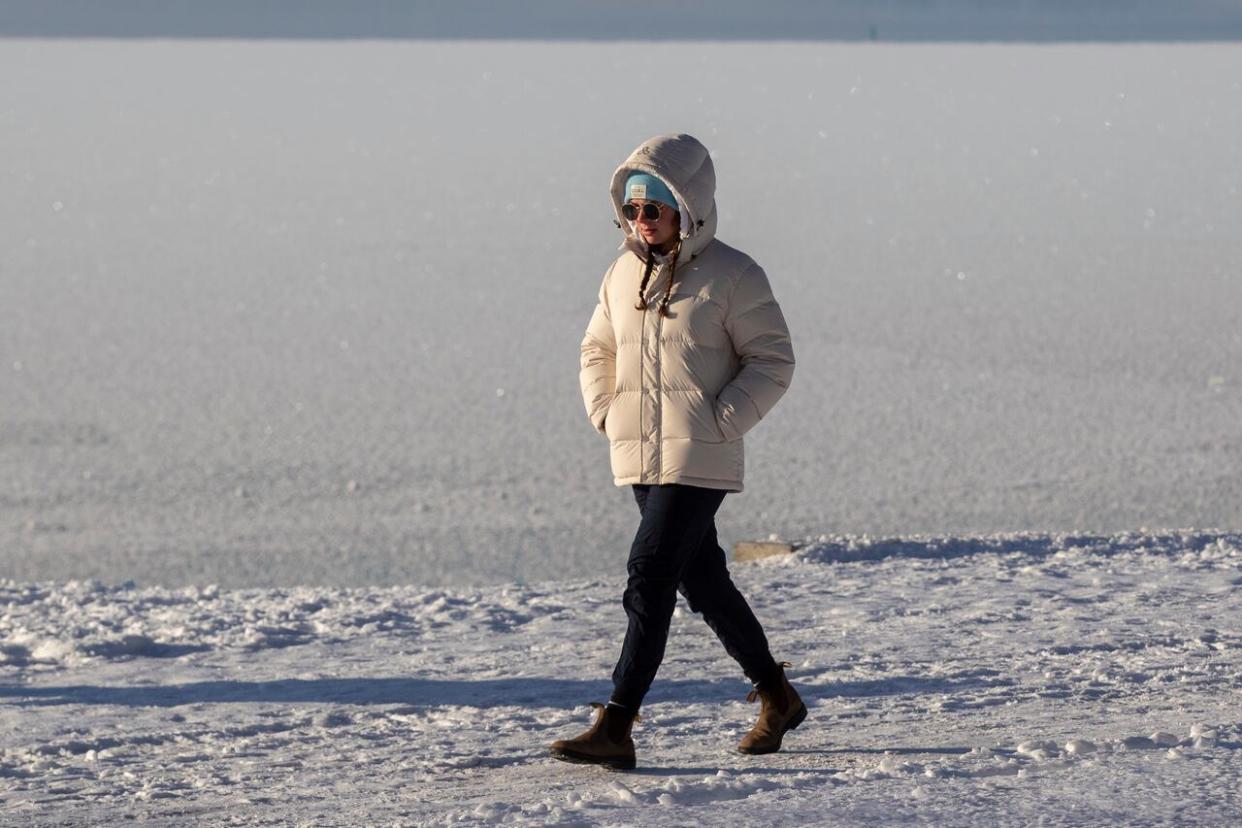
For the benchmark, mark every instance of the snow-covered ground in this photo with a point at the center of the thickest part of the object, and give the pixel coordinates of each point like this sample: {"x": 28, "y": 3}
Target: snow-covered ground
{"x": 979, "y": 680}
{"x": 300, "y": 321}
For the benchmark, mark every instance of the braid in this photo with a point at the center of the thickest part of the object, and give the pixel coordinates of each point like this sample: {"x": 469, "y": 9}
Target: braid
{"x": 642, "y": 289}
{"x": 672, "y": 275}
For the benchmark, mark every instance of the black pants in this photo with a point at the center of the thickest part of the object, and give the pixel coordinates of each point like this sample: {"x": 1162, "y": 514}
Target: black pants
{"x": 675, "y": 550}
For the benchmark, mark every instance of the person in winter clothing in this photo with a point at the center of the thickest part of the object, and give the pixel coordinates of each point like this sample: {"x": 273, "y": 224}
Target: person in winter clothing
{"x": 686, "y": 351}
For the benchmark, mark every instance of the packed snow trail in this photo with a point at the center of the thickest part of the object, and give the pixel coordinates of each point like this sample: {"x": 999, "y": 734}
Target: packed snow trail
{"x": 1003, "y": 679}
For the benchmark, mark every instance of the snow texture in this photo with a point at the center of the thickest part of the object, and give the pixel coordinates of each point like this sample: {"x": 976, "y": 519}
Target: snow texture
{"x": 984, "y": 680}
{"x": 282, "y": 322}
{"x": 280, "y": 313}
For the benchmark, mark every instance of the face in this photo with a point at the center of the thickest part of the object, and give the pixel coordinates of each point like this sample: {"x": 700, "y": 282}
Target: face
{"x": 661, "y": 231}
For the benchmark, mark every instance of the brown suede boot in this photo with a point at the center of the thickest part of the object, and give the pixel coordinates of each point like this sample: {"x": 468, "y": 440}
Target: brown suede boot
{"x": 782, "y": 711}
{"x": 607, "y": 743}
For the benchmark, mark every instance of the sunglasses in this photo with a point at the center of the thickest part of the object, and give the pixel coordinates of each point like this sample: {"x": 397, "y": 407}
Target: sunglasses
{"x": 651, "y": 211}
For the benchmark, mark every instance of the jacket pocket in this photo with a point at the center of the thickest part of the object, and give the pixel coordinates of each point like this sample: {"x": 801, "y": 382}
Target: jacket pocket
{"x": 721, "y": 414}
{"x": 607, "y": 421}
{"x": 600, "y": 420}
{"x": 619, "y": 412}
{"x": 706, "y": 428}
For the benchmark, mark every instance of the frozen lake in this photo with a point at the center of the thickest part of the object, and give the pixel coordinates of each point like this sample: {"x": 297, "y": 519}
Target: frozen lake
{"x": 277, "y": 313}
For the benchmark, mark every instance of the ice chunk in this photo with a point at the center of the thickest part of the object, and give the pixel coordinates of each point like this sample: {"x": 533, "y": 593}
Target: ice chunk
{"x": 1038, "y": 749}
{"x": 622, "y": 794}
{"x": 1079, "y": 747}
{"x": 1163, "y": 739}
{"x": 1203, "y": 736}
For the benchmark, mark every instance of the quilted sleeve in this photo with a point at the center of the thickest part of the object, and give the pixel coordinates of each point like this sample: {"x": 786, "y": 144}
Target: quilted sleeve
{"x": 598, "y": 362}
{"x": 761, "y": 339}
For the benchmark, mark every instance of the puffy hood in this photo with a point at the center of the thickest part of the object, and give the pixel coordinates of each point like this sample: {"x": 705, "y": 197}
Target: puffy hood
{"x": 684, "y": 164}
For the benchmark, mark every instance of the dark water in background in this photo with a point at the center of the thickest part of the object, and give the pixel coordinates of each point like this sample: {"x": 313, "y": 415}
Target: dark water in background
{"x": 641, "y": 20}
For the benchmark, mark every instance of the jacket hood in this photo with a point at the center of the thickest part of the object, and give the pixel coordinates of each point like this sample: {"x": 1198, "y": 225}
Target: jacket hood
{"x": 685, "y": 165}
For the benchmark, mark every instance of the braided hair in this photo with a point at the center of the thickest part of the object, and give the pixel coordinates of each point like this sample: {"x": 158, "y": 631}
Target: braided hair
{"x": 672, "y": 275}
{"x": 642, "y": 289}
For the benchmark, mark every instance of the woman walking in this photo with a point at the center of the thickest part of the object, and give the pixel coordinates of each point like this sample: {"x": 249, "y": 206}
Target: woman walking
{"x": 686, "y": 351}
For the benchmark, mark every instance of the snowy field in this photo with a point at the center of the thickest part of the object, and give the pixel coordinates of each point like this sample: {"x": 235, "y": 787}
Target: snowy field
{"x": 991, "y": 680}
{"x": 302, "y": 522}
{"x": 290, "y": 313}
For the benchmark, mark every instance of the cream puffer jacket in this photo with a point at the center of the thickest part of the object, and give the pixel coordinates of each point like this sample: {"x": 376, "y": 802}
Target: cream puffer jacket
{"x": 675, "y": 394}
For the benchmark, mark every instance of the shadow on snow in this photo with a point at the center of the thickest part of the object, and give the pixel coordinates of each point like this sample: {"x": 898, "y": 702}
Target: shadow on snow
{"x": 526, "y": 692}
